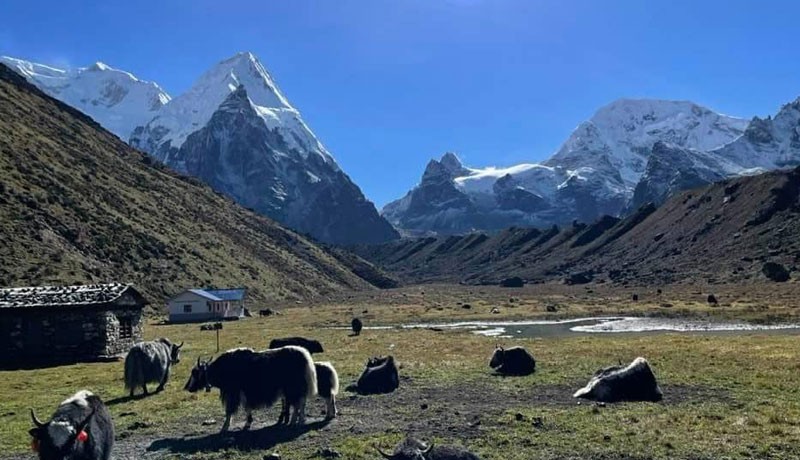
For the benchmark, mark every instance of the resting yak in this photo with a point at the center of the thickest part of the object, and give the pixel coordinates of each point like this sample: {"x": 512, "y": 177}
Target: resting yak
{"x": 256, "y": 379}
{"x": 311, "y": 345}
{"x": 512, "y": 361}
{"x": 413, "y": 449}
{"x": 149, "y": 362}
{"x": 80, "y": 429}
{"x": 327, "y": 389}
{"x": 379, "y": 376}
{"x": 634, "y": 382}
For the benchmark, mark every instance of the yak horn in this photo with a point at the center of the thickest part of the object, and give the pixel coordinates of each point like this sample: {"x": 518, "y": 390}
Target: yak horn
{"x": 181, "y": 345}
{"x": 198, "y": 362}
{"x": 35, "y": 420}
{"x": 428, "y": 450}
{"x": 383, "y": 454}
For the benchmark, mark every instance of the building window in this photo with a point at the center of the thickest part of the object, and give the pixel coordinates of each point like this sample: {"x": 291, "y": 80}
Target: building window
{"x": 125, "y": 328}
{"x": 187, "y": 308}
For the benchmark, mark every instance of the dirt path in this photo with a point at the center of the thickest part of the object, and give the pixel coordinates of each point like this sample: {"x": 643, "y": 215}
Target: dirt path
{"x": 462, "y": 411}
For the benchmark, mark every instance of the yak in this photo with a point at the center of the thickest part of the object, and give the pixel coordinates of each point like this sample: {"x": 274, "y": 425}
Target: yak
{"x": 357, "y": 325}
{"x": 80, "y": 429}
{"x": 512, "y": 361}
{"x": 413, "y": 449}
{"x": 327, "y": 388}
{"x": 379, "y": 376}
{"x": 634, "y": 382}
{"x": 150, "y": 362}
{"x": 311, "y": 345}
{"x": 256, "y": 379}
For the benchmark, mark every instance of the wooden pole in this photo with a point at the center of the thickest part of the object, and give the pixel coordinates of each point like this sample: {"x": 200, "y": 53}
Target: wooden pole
{"x": 217, "y": 340}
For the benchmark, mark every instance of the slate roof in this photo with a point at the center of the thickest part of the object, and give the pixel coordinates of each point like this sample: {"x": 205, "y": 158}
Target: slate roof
{"x": 52, "y": 296}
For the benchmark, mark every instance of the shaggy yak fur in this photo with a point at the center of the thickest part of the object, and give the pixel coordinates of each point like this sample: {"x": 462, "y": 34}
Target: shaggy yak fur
{"x": 413, "y": 449}
{"x": 512, "y": 361}
{"x": 257, "y": 379}
{"x": 634, "y": 382}
{"x": 80, "y": 429}
{"x": 327, "y": 389}
{"x": 357, "y": 325}
{"x": 379, "y": 376}
{"x": 150, "y": 362}
{"x": 312, "y": 346}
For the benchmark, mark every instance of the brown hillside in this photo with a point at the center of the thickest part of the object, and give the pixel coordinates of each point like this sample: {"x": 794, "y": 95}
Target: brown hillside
{"x": 77, "y": 205}
{"x": 725, "y": 232}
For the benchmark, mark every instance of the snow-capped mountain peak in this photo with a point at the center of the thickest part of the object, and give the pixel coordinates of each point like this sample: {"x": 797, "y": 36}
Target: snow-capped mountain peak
{"x": 114, "y": 98}
{"x": 594, "y": 172}
{"x": 187, "y": 113}
{"x": 626, "y": 129}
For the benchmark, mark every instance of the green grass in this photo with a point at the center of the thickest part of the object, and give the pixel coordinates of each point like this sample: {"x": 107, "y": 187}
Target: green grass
{"x": 727, "y": 396}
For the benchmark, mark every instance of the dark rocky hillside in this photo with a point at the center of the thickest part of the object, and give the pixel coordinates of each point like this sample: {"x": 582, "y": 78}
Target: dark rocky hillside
{"x": 724, "y": 232}
{"x": 77, "y": 205}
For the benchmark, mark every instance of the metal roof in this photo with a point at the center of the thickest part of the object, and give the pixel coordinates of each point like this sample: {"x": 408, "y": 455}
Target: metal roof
{"x": 205, "y": 294}
{"x": 228, "y": 294}
{"x": 51, "y": 296}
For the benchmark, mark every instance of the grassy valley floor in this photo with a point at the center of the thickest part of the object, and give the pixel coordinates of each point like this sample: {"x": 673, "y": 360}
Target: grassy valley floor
{"x": 726, "y": 396}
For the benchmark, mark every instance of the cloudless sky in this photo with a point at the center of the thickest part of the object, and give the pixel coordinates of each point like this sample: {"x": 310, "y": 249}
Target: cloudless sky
{"x": 388, "y": 85}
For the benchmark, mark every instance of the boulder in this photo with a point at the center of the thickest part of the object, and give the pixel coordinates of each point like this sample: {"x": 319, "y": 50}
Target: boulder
{"x": 513, "y": 282}
{"x": 775, "y": 272}
{"x": 579, "y": 278}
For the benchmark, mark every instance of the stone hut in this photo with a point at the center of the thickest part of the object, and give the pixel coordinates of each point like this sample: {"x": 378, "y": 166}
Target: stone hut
{"x": 64, "y": 324}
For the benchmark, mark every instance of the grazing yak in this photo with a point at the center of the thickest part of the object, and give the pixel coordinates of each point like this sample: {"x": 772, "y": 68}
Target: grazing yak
{"x": 312, "y": 346}
{"x": 512, "y": 361}
{"x": 379, "y": 376}
{"x": 357, "y": 325}
{"x": 80, "y": 429}
{"x": 327, "y": 389}
{"x": 149, "y": 362}
{"x": 634, "y": 382}
{"x": 413, "y": 449}
{"x": 256, "y": 379}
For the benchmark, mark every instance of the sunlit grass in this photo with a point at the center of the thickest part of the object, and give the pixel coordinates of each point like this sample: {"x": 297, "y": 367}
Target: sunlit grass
{"x": 739, "y": 394}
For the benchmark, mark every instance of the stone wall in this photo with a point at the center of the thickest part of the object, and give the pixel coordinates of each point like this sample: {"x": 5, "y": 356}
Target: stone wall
{"x": 116, "y": 344}
{"x": 35, "y": 336}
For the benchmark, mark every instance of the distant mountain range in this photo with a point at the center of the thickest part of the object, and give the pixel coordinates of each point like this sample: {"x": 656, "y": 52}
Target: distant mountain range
{"x": 234, "y": 130}
{"x": 78, "y": 205}
{"x": 738, "y": 230}
{"x": 630, "y": 153}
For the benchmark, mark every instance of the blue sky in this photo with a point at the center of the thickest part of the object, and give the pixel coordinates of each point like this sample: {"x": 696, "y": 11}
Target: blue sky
{"x": 387, "y": 85}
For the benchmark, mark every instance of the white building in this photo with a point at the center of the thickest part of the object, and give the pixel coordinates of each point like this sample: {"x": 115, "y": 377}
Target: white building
{"x": 206, "y": 305}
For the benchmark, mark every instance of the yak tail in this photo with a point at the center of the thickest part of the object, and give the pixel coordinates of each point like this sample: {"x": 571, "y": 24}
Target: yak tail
{"x": 311, "y": 376}
{"x": 334, "y": 382}
{"x": 327, "y": 379}
{"x": 133, "y": 369}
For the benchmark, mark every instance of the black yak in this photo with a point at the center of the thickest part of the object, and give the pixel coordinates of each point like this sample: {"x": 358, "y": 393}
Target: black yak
{"x": 512, "y": 361}
{"x": 312, "y": 346}
{"x": 327, "y": 389}
{"x": 413, "y": 449}
{"x": 80, "y": 429}
{"x": 256, "y": 379}
{"x": 149, "y": 362}
{"x": 357, "y": 325}
{"x": 379, "y": 376}
{"x": 634, "y": 382}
